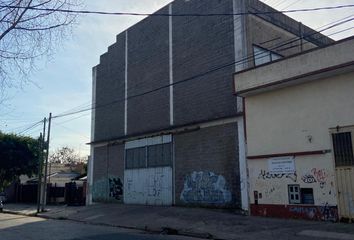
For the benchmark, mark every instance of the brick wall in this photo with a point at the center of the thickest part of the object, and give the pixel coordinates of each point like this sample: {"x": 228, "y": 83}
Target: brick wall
{"x": 206, "y": 166}
{"x": 109, "y": 121}
{"x": 148, "y": 69}
{"x": 108, "y": 173}
{"x": 199, "y": 45}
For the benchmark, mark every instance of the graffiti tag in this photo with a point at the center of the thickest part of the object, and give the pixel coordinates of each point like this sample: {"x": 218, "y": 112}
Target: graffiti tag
{"x": 115, "y": 188}
{"x": 267, "y": 175}
{"x": 308, "y": 178}
{"x": 325, "y": 213}
{"x": 316, "y": 175}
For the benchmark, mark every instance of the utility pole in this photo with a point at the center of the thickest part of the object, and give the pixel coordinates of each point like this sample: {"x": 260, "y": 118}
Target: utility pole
{"x": 40, "y": 168}
{"x": 39, "y": 182}
{"x": 46, "y": 163}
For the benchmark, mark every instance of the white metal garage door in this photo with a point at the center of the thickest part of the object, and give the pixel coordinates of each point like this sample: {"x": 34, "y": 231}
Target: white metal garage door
{"x": 150, "y": 186}
{"x": 148, "y": 171}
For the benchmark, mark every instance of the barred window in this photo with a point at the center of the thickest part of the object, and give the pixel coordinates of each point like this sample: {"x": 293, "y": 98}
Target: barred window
{"x": 343, "y": 149}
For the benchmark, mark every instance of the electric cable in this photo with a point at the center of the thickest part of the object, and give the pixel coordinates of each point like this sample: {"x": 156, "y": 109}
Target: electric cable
{"x": 175, "y": 15}
{"x": 199, "y": 75}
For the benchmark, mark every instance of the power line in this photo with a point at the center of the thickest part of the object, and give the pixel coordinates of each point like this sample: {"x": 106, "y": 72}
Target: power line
{"x": 175, "y": 15}
{"x": 72, "y": 119}
{"x": 340, "y": 31}
{"x": 30, "y": 127}
{"x": 246, "y": 59}
{"x": 284, "y": 43}
{"x": 72, "y": 131}
{"x": 21, "y": 127}
{"x": 279, "y": 3}
{"x": 241, "y": 61}
{"x": 291, "y": 4}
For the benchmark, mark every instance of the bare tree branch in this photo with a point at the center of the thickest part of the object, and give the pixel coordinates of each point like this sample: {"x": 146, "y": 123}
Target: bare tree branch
{"x": 28, "y": 35}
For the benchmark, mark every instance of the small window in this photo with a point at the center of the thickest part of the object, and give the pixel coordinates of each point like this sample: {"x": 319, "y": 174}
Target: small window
{"x": 307, "y": 196}
{"x": 343, "y": 149}
{"x": 262, "y": 56}
{"x": 299, "y": 195}
{"x": 294, "y": 194}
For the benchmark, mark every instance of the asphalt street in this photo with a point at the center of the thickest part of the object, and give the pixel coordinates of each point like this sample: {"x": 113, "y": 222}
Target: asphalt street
{"x": 17, "y": 227}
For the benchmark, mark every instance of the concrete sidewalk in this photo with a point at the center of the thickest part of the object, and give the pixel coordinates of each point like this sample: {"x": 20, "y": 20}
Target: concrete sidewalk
{"x": 205, "y": 223}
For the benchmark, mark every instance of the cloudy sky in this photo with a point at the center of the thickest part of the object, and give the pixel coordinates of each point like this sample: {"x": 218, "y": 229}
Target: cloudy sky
{"x": 64, "y": 82}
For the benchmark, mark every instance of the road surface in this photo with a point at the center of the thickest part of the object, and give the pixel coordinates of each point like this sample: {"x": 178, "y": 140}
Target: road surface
{"x": 17, "y": 227}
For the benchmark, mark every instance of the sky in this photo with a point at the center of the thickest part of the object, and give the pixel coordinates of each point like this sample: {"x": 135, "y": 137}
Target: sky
{"x": 63, "y": 82}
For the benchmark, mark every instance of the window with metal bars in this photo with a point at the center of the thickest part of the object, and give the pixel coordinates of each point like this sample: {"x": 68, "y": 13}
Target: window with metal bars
{"x": 343, "y": 149}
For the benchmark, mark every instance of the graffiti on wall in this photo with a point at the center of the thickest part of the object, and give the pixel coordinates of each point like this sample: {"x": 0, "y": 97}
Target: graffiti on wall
{"x": 107, "y": 189}
{"x": 99, "y": 190}
{"x": 273, "y": 192}
{"x": 320, "y": 175}
{"x": 115, "y": 188}
{"x": 325, "y": 213}
{"x": 155, "y": 185}
{"x": 151, "y": 186}
{"x": 267, "y": 175}
{"x": 308, "y": 178}
{"x": 316, "y": 176}
{"x": 318, "y": 213}
{"x": 205, "y": 187}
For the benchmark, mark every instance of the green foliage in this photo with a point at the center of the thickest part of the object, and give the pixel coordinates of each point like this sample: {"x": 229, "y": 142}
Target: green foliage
{"x": 19, "y": 155}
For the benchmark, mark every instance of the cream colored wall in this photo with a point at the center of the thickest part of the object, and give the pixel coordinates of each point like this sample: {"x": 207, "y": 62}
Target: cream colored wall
{"x": 274, "y": 189}
{"x": 280, "y": 121}
{"x": 283, "y": 121}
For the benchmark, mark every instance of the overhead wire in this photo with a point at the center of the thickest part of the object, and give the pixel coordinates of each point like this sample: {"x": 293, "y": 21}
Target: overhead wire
{"x": 291, "y": 4}
{"x": 289, "y": 41}
{"x": 71, "y": 130}
{"x": 246, "y": 59}
{"x": 241, "y": 61}
{"x": 30, "y": 127}
{"x": 174, "y": 15}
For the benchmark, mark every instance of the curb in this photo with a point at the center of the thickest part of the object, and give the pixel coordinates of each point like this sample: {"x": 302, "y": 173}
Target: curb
{"x": 160, "y": 230}
{"x": 18, "y": 213}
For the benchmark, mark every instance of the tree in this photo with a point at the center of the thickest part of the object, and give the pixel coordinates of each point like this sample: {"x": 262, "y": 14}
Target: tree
{"x": 18, "y": 155}
{"x": 65, "y": 155}
{"x": 30, "y": 30}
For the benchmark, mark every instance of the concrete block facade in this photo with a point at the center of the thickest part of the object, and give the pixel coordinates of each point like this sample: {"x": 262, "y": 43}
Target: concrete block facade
{"x": 173, "y": 75}
{"x": 108, "y": 173}
{"x": 199, "y": 45}
{"x": 148, "y": 69}
{"x": 109, "y": 89}
{"x": 207, "y": 167}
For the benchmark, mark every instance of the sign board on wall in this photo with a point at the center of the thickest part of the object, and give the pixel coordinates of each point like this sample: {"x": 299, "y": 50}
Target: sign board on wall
{"x": 281, "y": 165}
